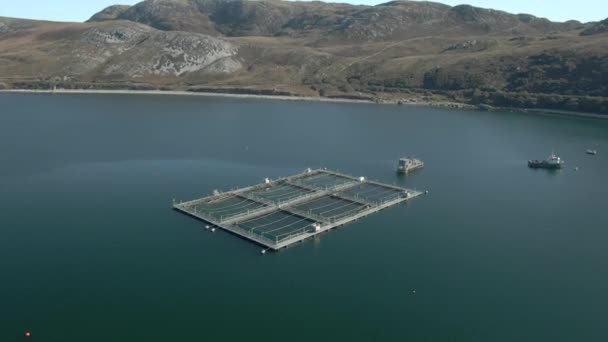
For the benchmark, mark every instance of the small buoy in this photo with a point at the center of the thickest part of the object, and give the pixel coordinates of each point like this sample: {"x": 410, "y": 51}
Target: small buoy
{"x": 263, "y": 251}
{"x": 207, "y": 227}
{"x": 213, "y": 230}
{"x": 28, "y": 334}
{"x": 576, "y": 168}
{"x": 427, "y": 192}
{"x": 413, "y": 291}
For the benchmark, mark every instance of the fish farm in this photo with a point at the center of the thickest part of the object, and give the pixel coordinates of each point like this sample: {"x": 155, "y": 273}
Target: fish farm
{"x": 281, "y": 212}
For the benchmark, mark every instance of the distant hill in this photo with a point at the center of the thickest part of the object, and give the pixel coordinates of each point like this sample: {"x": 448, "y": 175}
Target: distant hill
{"x": 110, "y": 13}
{"x": 399, "y": 51}
{"x": 597, "y": 28}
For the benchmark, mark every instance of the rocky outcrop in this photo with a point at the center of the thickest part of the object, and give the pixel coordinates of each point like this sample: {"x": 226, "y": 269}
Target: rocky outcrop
{"x": 176, "y": 54}
{"x": 10, "y": 25}
{"x": 120, "y": 49}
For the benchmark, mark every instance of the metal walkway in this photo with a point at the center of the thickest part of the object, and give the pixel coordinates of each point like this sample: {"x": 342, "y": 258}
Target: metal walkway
{"x": 303, "y": 211}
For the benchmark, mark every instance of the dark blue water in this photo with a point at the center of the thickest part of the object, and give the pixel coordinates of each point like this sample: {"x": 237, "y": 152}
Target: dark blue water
{"x": 91, "y": 251}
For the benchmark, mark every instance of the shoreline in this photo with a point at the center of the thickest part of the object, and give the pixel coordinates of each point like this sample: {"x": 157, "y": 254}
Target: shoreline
{"x": 442, "y": 105}
{"x": 446, "y": 105}
{"x": 555, "y": 112}
{"x": 184, "y": 93}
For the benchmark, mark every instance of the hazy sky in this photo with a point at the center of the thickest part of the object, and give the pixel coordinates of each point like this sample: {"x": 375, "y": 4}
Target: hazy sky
{"x": 80, "y": 10}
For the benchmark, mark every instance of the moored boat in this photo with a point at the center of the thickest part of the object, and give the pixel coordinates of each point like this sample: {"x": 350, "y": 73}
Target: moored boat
{"x": 592, "y": 152}
{"x": 553, "y": 162}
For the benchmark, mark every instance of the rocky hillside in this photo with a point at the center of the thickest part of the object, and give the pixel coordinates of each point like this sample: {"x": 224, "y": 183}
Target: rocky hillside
{"x": 110, "y": 13}
{"x": 119, "y": 50}
{"x": 601, "y": 27}
{"x": 399, "y": 51}
{"x": 239, "y": 18}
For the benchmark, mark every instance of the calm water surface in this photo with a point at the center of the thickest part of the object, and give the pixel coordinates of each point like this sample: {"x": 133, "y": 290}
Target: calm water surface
{"x": 91, "y": 251}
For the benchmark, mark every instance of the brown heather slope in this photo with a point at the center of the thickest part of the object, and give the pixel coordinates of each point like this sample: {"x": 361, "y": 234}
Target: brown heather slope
{"x": 400, "y": 50}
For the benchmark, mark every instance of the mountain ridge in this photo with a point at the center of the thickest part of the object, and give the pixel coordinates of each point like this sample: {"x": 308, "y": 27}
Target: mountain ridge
{"x": 270, "y": 18}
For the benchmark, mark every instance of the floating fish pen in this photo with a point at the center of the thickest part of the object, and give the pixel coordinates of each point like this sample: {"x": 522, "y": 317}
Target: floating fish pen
{"x": 279, "y": 213}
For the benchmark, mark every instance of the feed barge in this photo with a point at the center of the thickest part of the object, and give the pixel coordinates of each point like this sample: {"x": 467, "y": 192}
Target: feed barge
{"x": 409, "y": 164}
